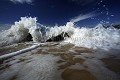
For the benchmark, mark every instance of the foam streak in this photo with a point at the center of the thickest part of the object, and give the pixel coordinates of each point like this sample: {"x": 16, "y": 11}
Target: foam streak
{"x": 83, "y": 17}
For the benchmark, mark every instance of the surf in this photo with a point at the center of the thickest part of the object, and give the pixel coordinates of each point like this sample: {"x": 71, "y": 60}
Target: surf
{"x": 96, "y": 37}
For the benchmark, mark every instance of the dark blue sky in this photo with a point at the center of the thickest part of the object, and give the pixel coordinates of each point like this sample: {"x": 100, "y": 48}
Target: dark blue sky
{"x": 51, "y": 12}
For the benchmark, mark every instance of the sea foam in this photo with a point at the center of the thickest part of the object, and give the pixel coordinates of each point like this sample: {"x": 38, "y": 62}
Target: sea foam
{"x": 97, "y": 37}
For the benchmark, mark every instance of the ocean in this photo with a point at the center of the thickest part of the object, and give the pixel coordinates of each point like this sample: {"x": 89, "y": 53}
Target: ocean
{"x": 32, "y": 51}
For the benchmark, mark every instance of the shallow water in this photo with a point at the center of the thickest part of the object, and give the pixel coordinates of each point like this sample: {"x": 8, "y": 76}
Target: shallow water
{"x": 61, "y": 61}
{"x": 13, "y": 48}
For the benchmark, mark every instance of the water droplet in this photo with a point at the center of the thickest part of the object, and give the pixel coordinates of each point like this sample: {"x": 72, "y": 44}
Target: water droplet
{"x": 112, "y": 15}
{"x": 101, "y": 1}
{"x": 104, "y": 5}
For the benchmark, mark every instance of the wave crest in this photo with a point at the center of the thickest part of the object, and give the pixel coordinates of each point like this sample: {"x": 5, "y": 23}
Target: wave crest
{"x": 97, "y": 37}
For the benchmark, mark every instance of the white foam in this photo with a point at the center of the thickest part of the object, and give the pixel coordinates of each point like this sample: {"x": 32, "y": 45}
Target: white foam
{"x": 40, "y": 67}
{"x": 56, "y": 30}
{"x": 20, "y": 30}
{"x": 18, "y": 52}
{"x": 97, "y": 37}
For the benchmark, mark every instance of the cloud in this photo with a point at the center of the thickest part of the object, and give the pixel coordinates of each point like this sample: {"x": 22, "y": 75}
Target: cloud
{"x": 83, "y": 17}
{"x": 22, "y": 1}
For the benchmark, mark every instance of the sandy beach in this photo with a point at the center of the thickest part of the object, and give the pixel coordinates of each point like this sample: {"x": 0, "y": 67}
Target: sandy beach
{"x": 57, "y": 61}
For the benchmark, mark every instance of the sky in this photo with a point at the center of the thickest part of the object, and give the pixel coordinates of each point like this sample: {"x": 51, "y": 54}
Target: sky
{"x": 52, "y": 12}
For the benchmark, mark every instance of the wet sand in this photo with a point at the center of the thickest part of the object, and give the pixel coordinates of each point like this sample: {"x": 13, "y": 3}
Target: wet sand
{"x": 55, "y": 61}
{"x": 113, "y": 64}
{"x": 74, "y": 74}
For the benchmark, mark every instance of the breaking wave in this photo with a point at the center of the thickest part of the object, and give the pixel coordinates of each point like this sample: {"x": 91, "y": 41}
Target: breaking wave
{"x": 97, "y": 37}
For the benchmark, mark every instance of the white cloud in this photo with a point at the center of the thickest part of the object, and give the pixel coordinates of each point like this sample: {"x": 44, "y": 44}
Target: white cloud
{"x": 22, "y": 1}
{"x": 83, "y": 17}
